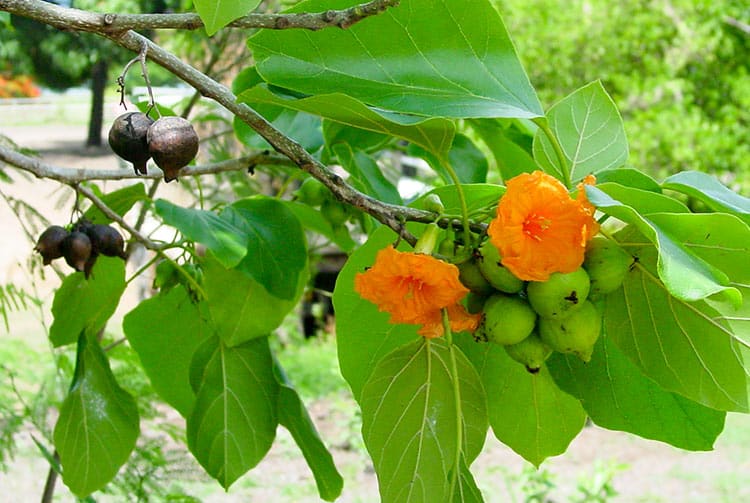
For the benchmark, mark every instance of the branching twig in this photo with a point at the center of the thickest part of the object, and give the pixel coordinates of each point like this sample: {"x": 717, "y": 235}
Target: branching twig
{"x": 391, "y": 215}
{"x": 743, "y": 27}
{"x": 114, "y": 23}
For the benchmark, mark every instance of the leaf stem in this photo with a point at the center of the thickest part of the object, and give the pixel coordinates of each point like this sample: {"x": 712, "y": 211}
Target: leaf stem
{"x": 564, "y": 168}
{"x": 457, "y": 397}
{"x": 461, "y": 200}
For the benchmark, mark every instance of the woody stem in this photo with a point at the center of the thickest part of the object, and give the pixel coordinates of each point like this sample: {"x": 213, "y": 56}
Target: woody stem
{"x": 461, "y": 200}
{"x": 561, "y": 159}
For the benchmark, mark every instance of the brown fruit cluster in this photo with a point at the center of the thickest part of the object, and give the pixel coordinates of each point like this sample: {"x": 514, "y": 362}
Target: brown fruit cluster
{"x": 81, "y": 245}
{"x": 170, "y": 141}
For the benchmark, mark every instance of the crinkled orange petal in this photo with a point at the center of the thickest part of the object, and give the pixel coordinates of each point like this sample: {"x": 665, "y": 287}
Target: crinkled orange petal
{"x": 460, "y": 321}
{"x": 412, "y": 287}
{"x": 539, "y": 229}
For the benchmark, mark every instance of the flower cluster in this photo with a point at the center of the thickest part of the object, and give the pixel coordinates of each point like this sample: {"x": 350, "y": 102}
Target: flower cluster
{"x": 540, "y": 229}
{"x": 414, "y": 288}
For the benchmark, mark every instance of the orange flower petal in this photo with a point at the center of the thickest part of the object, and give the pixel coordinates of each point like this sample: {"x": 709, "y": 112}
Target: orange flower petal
{"x": 460, "y": 321}
{"x": 539, "y": 229}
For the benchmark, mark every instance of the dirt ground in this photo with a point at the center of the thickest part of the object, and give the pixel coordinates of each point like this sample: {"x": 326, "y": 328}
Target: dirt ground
{"x": 653, "y": 472}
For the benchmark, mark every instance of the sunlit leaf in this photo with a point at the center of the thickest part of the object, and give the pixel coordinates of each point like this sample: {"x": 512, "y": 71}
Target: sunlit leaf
{"x": 441, "y": 59}
{"x": 98, "y": 423}
{"x": 120, "y": 201}
{"x": 710, "y": 191}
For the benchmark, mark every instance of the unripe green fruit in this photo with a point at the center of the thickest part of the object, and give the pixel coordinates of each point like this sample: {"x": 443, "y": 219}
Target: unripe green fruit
{"x": 607, "y": 265}
{"x": 559, "y": 296}
{"x": 506, "y": 320}
{"x": 475, "y": 302}
{"x": 532, "y": 352}
{"x": 166, "y": 275}
{"x": 312, "y": 192}
{"x": 472, "y": 278}
{"x": 576, "y": 334}
{"x": 496, "y": 274}
{"x": 335, "y": 212}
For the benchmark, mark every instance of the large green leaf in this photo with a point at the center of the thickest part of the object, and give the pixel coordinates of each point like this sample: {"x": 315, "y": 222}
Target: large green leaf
{"x": 710, "y": 191}
{"x": 241, "y": 309}
{"x": 234, "y": 420}
{"x": 417, "y": 421}
{"x": 433, "y": 134}
{"x": 85, "y": 305}
{"x": 528, "y": 412}
{"x": 311, "y": 219}
{"x": 165, "y": 331}
{"x": 511, "y": 158}
{"x": 642, "y": 201}
{"x": 464, "y": 157}
{"x": 367, "y": 141}
{"x": 686, "y": 347}
{"x": 276, "y": 250}
{"x": 685, "y": 275}
{"x": 98, "y": 423}
{"x": 441, "y": 59}
{"x": 590, "y": 131}
{"x": 294, "y": 417}
{"x": 304, "y": 128}
{"x": 119, "y": 201}
{"x": 216, "y": 14}
{"x": 617, "y": 395}
{"x": 227, "y": 240}
{"x": 365, "y": 170}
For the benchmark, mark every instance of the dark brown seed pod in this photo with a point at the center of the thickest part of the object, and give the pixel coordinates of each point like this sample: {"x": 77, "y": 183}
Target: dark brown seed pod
{"x": 173, "y": 143}
{"x": 127, "y": 137}
{"x": 49, "y": 243}
{"x": 76, "y": 249}
{"x": 106, "y": 240}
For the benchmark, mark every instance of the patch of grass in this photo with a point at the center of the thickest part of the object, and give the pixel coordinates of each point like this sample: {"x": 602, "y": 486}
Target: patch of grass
{"x": 312, "y": 366}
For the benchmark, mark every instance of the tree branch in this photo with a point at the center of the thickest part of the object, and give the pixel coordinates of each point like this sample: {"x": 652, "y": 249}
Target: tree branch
{"x": 736, "y": 23}
{"x": 391, "y": 215}
{"x": 116, "y": 23}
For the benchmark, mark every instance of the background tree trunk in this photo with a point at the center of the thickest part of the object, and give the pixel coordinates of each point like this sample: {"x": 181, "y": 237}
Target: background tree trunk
{"x": 98, "y": 83}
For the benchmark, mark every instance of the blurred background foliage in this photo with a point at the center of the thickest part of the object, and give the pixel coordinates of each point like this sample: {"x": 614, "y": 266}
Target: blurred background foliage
{"x": 678, "y": 70}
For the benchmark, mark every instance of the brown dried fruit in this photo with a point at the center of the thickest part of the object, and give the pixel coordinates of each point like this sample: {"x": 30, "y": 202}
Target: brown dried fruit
{"x": 49, "y": 243}
{"x": 76, "y": 249}
{"x": 127, "y": 137}
{"x": 173, "y": 143}
{"x": 106, "y": 240}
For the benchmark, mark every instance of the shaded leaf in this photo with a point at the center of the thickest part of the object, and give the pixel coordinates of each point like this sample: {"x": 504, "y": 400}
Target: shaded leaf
{"x": 304, "y": 128}
{"x": 365, "y": 170}
{"x": 511, "y": 158}
{"x": 443, "y": 59}
{"x": 464, "y": 157}
{"x": 225, "y": 239}
{"x": 710, "y": 191}
{"x": 98, "y": 423}
{"x": 168, "y": 324}
{"x": 216, "y": 14}
{"x": 590, "y": 131}
{"x": 311, "y": 219}
{"x": 234, "y": 420}
{"x": 120, "y": 201}
{"x": 85, "y": 305}
{"x": 617, "y": 396}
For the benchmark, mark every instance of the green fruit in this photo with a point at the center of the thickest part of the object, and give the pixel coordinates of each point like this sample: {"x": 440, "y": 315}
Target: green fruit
{"x": 166, "y": 275}
{"x": 471, "y": 277}
{"x": 559, "y": 296}
{"x": 335, "y": 212}
{"x": 495, "y": 273}
{"x": 531, "y": 352}
{"x": 475, "y": 302}
{"x": 607, "y": 265}
{"x": 506, "y": 320}
{"x": 312, "y": 192}
{"x": 576, "y": 334}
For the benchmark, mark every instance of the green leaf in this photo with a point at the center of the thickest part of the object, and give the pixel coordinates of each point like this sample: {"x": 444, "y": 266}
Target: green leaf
{"x": 367, "y": 141}
{"x": 590, "y": 131}
{"x": 642, "y": 201}
{"x": 234, "y": 420}
{"x": 629, "y": 177}
{"x": 276, "y": 250}
{"x": 434, "y": 134}
{"x": 241, "y": 309}
{"x": 527, "y": 412}
{"x": 711, "y": 192}
{"x": 294, "y": 417}
{"x": 311, "y": 219}
{"x": 466, "y": 487}
{"x": 685, "y": 275}
{"x": 686, "y": 347}
{"x": 465, "y": 158}
{"x": 443, "y": 59}
{"x": 85, "y": 305}
{"x": 225, "y": 239}
{"x": 98, "y": 423}
{"x": 216, "y": 14}
{"x": 411, "y": 423}
{"x": 365, "y": 170}
{"x": 304, "y": 128}
{"x": 168, "y": 324}
{"x": 119, "y": 201}
{"x": 617, "y": 396}
{"x": 511, "y": 158}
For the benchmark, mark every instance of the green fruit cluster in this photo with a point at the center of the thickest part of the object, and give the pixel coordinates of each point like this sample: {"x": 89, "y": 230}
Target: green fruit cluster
{"x": 533, "y": 319}
{"x": 313, "y": 193}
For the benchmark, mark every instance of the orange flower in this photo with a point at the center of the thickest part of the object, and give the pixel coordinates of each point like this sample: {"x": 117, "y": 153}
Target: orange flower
{"x": 539, "y": 229}
{"x": 413, "y": 288}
